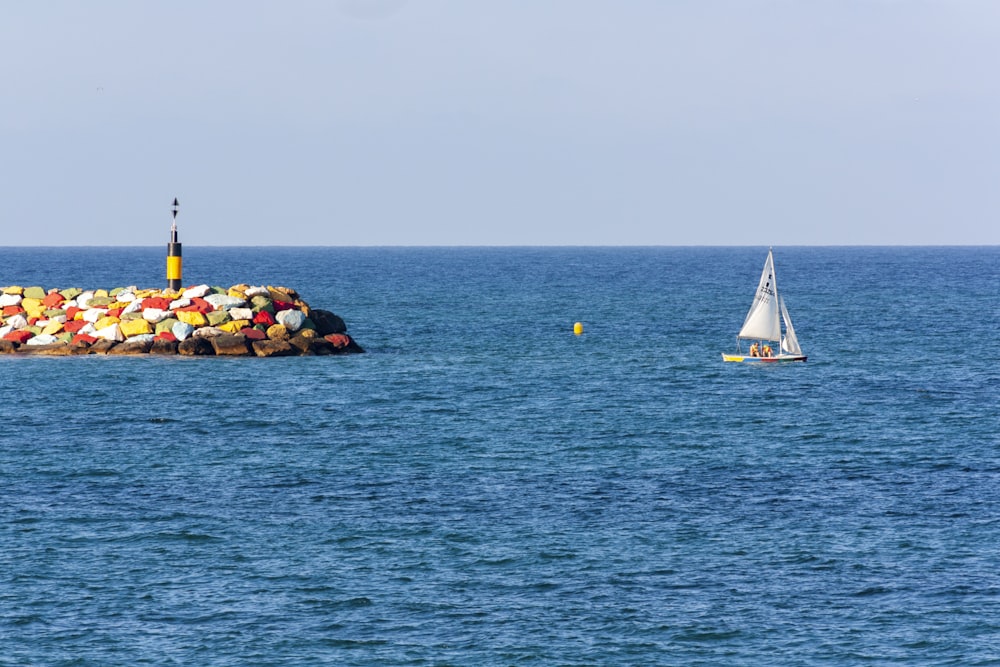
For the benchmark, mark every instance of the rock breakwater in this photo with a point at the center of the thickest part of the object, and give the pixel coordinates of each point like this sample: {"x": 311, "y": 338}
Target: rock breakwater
{"x": 243, "y": 320}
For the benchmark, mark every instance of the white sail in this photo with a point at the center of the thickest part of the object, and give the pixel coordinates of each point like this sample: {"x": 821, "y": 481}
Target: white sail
{"x": 789, "y": 343}
{"x": 762, "y": 321}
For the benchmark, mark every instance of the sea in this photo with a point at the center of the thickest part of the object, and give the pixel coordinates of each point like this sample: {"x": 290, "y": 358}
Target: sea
{"x": 484, "y": 487}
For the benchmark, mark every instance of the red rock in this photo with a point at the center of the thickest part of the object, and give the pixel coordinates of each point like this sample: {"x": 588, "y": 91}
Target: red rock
{"x": 18, "y": 336}
{"x": 339, "y": 341}
{"x": 157, "y": 302}
{"x": 263, "y": 317}
{"x": 53, "y": 300}
{"x": 203, "y": 306}
{"x": 282, "y": 305}
{"x": 12, "y": 310}
{"x": 31, "y": 321}
{"x": 115, "y": 312}
{"x": 71, "y": 312}
{"x": 83, "y": 339}
{"x": 73, "y": 326}
{"x": 253, "y": 334}
{"x": 166, "y": 335}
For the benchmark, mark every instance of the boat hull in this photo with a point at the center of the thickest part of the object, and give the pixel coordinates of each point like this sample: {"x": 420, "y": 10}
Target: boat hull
{"x": 741, "y": 358}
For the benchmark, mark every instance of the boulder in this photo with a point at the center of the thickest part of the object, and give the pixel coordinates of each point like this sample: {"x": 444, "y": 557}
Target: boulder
{"x": 225, "y": 302}
{"x": 264, "y": 317}
{"x": 75, "y": 326}
{"x": 10, "y": 300}
{"x": 301, "y": 343}
{"x": 194, "y": 318}
{"x": 41, "y": 339}
{"x": 71, "y": 293}
{"x": 34, "y": 293}
{"x": 273, "y": 348}
{"x": 181, "y": 330}
{"x": 138, "y": 345}
{"x": 155, "y": 315}
{"x": 52, "y": 327}
{"x": 105, "y": 322}
{"x": 230, "y": 345}
{"x": 111, "y": 332}
{"x": 277, "y": 332}
{"x": 137, "y": 327}
{"x": 102, "y": 346}
{"x": 292, "y": 319}
{"x": 241, "y": 313}
{"x": 178, "y": 303}
{"x": 83, "y": 339}
{"x": 197, "y": 291}
{"x": 234, "y": 326}
{"x": 207, "y": 332}
{"x": 251, "y": 292}
{"x": 20, "y": 337}
{"x": 217, "y": 317}
{"x": 166, "y": 324}
{"x": 49, "y": 350}
{"x": 191, "y": 347}
{"x": 163, "y": 346}
{"x": 7, "y": 347}
{"x": 253, "y": 334}
{"x": 13, "y": 289}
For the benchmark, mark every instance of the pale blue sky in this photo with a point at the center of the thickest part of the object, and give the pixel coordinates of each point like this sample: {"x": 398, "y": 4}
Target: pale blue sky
{"x": 513, "y": 122}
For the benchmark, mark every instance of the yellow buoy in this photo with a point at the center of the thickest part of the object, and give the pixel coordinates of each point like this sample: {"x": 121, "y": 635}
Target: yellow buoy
{"x": 578, "y": 328}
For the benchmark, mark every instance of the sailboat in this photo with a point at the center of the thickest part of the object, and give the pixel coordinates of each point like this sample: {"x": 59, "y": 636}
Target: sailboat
{"x": 763, "y": 324}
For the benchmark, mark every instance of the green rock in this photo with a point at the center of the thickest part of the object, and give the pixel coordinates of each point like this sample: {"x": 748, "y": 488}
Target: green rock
{"x": 53, "y": 312}
{"x": 130, "y": 316}
{"x": 65, "y": 337}
{"x": 217, "y": 317}
{"x": 116, "y": 291}
{"x": 35, "y": 330}
{"x": 34, "y": 293}
{"x": 71, "y": 293}
{"x": 102, "y": 301}
{"x": 262, "y": 303}
{"x": 166, "y": 325}
{"x": 219, "y": 290}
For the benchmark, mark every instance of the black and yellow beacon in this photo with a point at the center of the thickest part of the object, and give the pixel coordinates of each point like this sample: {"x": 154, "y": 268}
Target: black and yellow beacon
{"x": 174, "y": 255}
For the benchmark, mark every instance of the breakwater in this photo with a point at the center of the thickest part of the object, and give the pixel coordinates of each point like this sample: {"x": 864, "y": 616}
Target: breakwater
{"x": 242, "y": 320}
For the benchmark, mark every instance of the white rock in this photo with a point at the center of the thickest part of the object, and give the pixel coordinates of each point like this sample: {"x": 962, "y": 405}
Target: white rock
{"x": 18, "y": 321}
{"x": 241, "y": 313}
{"x": 134, "y": 306}
{"x": 87, "y": 328}
{"x": 4, "y": 330}
{"x": 111, "y": 332}
{"x": 94, "y": 314}
{"x": 182, "y": 330}
{"x": 83, "y": 300}
{"x": 199, "y": 291}
{"x": 224, "y": 301}
{"x": 42, "y": 339}
{"x": 154, "y": 315}
{"x": 10, "y": 299}
{"x": 257, "y": 291}
{"x": 125, "y": 297}
{"x": 292, "y": 319}
{"x": 179, "y": 303}
{"x": 207, "y": 332}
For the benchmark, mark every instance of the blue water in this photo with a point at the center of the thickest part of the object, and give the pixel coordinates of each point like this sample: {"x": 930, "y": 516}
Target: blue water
{"x": 485, "y": 488}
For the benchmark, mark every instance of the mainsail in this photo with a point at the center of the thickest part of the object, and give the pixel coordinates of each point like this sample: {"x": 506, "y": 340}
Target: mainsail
{"x": 789, "y": 343}
{"x": 763, "y": 321}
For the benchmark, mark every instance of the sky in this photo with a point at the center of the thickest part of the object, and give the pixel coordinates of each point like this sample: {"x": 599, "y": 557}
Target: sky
{"x": 503, "y": 122}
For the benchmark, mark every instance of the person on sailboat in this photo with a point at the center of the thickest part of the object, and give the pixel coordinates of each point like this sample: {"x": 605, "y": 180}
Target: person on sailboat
{"x": 753, "y": 350}
{"x": 767, "y": 351}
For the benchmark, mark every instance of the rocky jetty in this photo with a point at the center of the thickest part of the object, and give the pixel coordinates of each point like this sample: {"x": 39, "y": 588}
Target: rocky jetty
{"x": 241, "y": 321}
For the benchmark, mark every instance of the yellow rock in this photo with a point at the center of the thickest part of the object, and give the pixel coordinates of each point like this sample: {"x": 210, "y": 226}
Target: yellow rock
{"x": 32, "y": 304}
{"x": 194, "y": 318}
{"x": 101, "y": 292}
{"x": 308, "y": 333}
{"x": 234, "y": 326}
{"x": 105, "y": 322}
{"x": 135, "y": 327}
{"x": 13, "y": 289}
{"x": 277, "y": 332}
{"x": 237, "y": 291}
{"x": 53, "y": 327}
{"x": 78, "y": 315}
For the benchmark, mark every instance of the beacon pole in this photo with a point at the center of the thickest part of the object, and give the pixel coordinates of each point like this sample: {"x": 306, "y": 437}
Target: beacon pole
{"x": 174, "y": 255}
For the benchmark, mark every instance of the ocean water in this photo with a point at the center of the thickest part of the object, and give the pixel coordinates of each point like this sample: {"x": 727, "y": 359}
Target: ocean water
{"x": 482, "y": 487}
